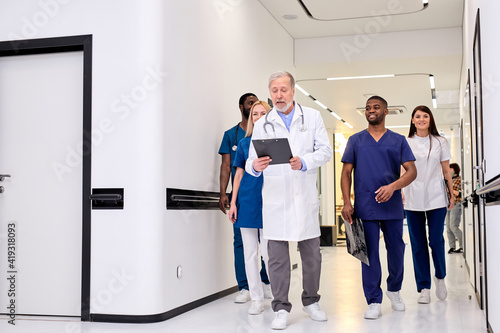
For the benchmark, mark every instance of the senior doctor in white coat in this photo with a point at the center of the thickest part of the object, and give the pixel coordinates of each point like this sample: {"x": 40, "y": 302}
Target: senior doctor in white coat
{"x": 290, "y": 195}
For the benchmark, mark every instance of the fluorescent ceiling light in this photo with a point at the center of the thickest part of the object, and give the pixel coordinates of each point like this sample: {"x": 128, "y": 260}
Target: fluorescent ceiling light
{"x": 348, "y": 125}
{"x": 425, "y": 2}
{"x": 431, "y": 79}
{"x": 434, "y": 103}
{"x": 302, "y": 90}
{"x": 320, "y": 104}
{"x": 359, "y": 77}
{"x": 398, "y": 126}
{"x": 335, "y": 115}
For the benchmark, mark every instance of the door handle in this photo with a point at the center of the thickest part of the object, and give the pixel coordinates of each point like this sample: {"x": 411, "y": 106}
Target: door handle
{"x": 2, "y": 177}
{"x": 105, "y": 197}
{"x": 481, "y": 167}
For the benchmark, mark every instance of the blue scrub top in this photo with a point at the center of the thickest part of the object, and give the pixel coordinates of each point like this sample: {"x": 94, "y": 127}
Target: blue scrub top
{"x": 226, "y": 146}
{"x": 249, "y": 201}
{"x": 377, "y": 164}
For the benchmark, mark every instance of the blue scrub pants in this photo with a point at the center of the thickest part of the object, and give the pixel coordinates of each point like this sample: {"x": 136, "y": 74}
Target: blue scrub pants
{"x": 239, "y": 262}
{"x": 372, "y": 275}
{"x": 420, "y": 247}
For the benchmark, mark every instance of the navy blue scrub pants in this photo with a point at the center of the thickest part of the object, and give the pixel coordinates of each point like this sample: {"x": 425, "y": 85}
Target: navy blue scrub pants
{"x": 372, "y": 275}
{"x": 239, "y": 262}
{"x": 420, "y": 247}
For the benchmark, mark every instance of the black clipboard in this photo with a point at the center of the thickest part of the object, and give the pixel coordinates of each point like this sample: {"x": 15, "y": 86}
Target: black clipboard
{"x": 355, "y": 239}
{"x": 278, "y": 149}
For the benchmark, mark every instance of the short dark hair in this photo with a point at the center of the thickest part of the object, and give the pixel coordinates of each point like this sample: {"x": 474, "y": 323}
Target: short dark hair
{"x": 378, "y": 98}
{"x": 244, "y": 97}
{"x": 456, "y": 168}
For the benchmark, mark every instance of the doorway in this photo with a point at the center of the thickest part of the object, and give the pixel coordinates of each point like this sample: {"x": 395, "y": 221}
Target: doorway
{"x": 45, "y": 155}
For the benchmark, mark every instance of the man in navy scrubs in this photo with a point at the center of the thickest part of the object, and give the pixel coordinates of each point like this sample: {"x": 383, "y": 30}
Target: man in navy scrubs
{"x": 228, "y": 152}
{"x": 376, "y": 156}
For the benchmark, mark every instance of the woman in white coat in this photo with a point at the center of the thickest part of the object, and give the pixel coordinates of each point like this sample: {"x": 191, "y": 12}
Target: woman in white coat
{"x": 426, "y": 201}
{"x": 290, "y": 196}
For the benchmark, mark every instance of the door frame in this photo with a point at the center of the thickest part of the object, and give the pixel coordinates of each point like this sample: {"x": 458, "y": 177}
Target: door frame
{"x": 479, "y": 166}
{"x": 71, "y": 44}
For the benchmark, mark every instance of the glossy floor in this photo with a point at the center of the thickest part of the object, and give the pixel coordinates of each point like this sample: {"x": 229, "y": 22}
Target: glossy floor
{"x": 342, "y": 300}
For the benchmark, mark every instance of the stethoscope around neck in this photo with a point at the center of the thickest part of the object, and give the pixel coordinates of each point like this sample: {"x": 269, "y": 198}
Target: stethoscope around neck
{"x": 235, "y": 146}
{"x": 302, "y": 127}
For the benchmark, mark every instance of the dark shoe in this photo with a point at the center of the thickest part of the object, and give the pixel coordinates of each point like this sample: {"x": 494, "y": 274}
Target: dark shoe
{"x": 452, "y": 250}
{"x": 459, "y": 250}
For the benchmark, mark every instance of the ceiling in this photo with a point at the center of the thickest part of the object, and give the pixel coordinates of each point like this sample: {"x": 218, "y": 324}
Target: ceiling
{"x": 330, "y": 21}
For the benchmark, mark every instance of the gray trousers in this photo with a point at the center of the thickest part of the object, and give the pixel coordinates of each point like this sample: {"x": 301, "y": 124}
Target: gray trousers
{"x": 453, "y": 219}
{"x": 279, "y": 272}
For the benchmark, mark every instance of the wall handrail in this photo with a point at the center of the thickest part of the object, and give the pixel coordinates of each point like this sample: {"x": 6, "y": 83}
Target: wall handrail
{"x": 493, "y": 186}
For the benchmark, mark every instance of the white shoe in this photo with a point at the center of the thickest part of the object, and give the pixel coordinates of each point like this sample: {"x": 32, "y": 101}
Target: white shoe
{"x": 315, "y": 312}
{"x": 425, "y": 296}
{"x": 256, "y": 308}
{"x": 267, "y": 291}
{"x": 396, "y": 300}
{"x": 373, "y": 311}
{"x": 441, "y": 291}
{"x": 243, "y": 296}
{"x": 281, "y": 320}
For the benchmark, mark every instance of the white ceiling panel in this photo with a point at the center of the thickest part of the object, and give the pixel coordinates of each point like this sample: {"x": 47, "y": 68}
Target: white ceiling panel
{"x": 385, "y": 54}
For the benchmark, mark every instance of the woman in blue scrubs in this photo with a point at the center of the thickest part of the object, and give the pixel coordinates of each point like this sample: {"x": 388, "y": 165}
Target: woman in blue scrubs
{"x": 246, "y": 212}
{"x": 426, "y": 200}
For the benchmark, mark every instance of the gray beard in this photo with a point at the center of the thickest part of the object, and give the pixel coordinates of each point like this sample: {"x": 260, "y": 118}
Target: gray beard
{"x": 287, "y": 106}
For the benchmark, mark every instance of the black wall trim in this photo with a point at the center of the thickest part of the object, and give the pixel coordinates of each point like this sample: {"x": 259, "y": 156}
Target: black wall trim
{"x": 191, "y": 199}
{"x": 70, "y": 44}
{"x": 128, "y": 319}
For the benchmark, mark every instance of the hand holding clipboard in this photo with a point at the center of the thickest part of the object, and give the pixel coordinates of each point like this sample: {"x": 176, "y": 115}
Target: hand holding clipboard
{"x": 277, "y": 149}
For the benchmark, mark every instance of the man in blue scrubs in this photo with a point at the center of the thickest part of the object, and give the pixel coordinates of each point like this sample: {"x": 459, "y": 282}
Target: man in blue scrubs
{"x": 228, "y": 152}
{"x": 376, "y": 156}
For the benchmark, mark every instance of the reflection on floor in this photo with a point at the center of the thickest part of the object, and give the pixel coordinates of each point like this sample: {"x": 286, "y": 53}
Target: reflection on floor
{"x": 342, "y": 300}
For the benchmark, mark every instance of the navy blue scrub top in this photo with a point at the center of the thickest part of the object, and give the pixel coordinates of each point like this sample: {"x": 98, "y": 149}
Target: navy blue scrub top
{"x": 226, "y": 146}
{"x": 377, "y": 164}
{"x": 249, "y": 201}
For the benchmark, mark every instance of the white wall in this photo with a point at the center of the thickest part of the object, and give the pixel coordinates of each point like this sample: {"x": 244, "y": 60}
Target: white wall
{"x": 490, "y": 51}
{"x": 167, "y": 76}
{"x": 126, "y": 119}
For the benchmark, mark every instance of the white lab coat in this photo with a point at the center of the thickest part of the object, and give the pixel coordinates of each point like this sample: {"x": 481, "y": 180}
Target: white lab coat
{"x": 290, "y": 197}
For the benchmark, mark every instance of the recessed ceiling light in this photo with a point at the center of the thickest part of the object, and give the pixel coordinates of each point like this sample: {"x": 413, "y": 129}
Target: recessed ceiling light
{"x": 290, "y": 16}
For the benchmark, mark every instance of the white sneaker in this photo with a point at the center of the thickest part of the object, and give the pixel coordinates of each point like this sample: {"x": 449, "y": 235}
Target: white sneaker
{"x": 315, "y": 312}
{"x": 256, "y": 308}
{"x": 267, "y": 291}
{"x": 396, "y": 300}
{"x": 425, "y": 296}
{"x": 281, "y": 320}
{"x": 441, "y": 291}
{"x": 243, "y": 296}
{"x": 373, "y": 311}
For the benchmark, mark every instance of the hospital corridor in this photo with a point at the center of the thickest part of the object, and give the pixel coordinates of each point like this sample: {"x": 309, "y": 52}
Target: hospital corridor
{"x": 133, "y": 132}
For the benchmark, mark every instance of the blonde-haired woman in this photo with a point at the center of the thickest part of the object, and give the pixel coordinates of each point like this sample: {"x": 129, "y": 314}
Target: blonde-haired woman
{"x": 246, "y": 212}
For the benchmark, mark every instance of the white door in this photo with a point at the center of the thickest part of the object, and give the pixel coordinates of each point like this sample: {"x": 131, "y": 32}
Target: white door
{"x": 41, "y": 130}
